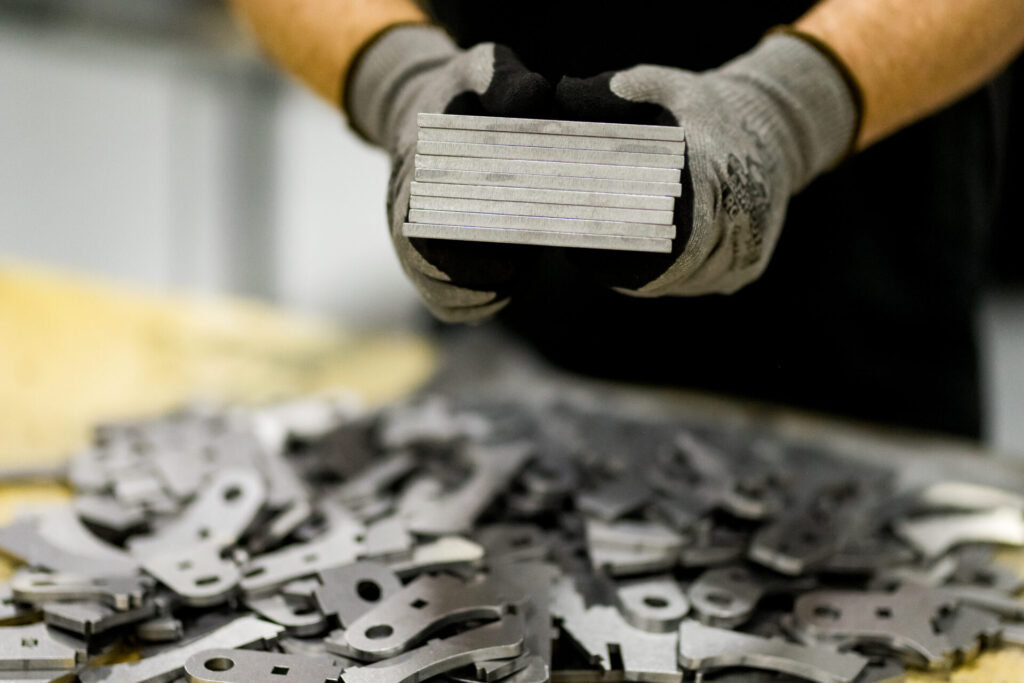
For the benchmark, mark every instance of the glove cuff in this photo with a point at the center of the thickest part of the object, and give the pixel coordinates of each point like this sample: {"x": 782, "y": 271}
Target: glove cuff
{"x": 813, "y": 103}
{"x": 386, "y": 63}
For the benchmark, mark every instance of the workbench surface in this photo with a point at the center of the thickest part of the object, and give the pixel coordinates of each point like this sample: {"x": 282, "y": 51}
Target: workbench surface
{"x": 74, "y": 352}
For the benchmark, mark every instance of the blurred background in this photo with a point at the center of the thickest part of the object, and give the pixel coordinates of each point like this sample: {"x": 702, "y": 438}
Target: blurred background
{"x": 148, "y": 142}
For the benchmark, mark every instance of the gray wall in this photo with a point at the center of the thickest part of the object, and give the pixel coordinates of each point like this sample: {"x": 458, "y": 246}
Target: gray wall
{"x": 190, "y": 166}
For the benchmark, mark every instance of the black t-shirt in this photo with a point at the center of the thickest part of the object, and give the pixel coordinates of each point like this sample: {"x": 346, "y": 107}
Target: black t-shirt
{"x": 868, "y": 306}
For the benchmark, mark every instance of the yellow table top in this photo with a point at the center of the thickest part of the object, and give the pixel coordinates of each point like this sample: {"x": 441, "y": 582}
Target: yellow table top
{"x": 74, "y": 352}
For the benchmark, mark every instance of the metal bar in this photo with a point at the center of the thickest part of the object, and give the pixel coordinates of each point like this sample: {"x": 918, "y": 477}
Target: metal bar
{"x": 550, "y": 182}
{"x": 548, "y": 140}
{"x": 511, "y": 125}
{"x": 494, "y": 220}
{"x": 526, "y": 194}
{"x": 588, "y": 213}
{"x": 572, "y": 156}
{"x": 551, "y": 168}
{"x": 542, "y": 238}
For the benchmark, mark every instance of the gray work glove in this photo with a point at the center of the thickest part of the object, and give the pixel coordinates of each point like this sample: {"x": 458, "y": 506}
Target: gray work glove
{"x": 413, "y": 69}
{"x": 758, "y": 129}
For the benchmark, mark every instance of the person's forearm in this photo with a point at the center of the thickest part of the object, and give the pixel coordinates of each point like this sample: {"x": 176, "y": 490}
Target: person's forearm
{"x": 912, "y": 58}
{"x": 316, "y": 40}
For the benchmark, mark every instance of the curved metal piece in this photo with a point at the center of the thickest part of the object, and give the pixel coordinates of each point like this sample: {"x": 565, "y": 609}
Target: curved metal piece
{"x": 251, "y": 666}
{"x": 906, "y": 621}
{"x": 218, "y": 517}
{"x": 169, "y": 664}
{"x": 424, "y": 606}
{"x": 705, "y": 648}
{"x": 298, "y": 619}
{"x": 201, "y": 577}
{"x": 935, "y": 535}
{"x": 499, "y": 640}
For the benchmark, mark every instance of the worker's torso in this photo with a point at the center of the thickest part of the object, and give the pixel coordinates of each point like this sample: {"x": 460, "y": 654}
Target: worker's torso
{"x": 867, "y": 307}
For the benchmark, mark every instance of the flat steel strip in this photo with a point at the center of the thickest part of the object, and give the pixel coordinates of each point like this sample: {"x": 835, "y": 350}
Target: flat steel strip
{"x": 487, "y": 137}
{"x": 549, "y": 182}
{"x": 570, "y": 156}
{"x": 542, "y": 238}
{"x": 513, "y": 125}
{"x": 524, "y": 194}
{"x": 587, "y": 213}
{"x": 551, "y": 168}
{"x": 574, "y": 225}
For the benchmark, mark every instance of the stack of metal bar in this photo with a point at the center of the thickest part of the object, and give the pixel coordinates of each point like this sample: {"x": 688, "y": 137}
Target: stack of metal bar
{"x": 546, "y": 183}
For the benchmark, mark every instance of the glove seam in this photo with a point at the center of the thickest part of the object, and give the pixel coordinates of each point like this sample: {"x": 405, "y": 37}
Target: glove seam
{"x": 849, "y": 79}
{"x": 353, "y": 68}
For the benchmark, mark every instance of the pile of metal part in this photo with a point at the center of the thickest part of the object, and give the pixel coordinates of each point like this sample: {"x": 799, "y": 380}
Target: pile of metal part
{"x": 476, "y": 542}
{"x": 549, "y": 183}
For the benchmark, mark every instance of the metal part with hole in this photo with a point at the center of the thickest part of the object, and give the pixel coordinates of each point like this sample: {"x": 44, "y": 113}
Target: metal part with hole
{"x": 906, "y": 622}
{"x": 728, "y": 596}
{"x": 249, "y": 666}
{"x": 119, "y": 592}
{"x": 421, "y": 608}
{"x": 705, "y": 648}
{"x": 169, "y": 665}
{"x": 341, "y": 544}
{"x": 218, "y": 517}
{"x": 657, "y": 605}
{"x": 350, "y": 591}
{"x": 501, "y": 639}
{"x": 199, "y": 576}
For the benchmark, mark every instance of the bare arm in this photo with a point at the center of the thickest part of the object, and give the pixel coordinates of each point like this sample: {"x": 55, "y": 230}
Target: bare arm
{"x": 912, "y": 58}
{"x": 316, "y": 40}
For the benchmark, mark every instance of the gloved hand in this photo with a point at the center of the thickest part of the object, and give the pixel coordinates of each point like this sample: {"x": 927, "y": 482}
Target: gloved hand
{"x": 758, "y": 129}
{"x": 413, "y": 69}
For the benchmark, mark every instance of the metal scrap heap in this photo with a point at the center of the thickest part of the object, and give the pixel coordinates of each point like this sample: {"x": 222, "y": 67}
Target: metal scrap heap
{"x": 479, "y": 542}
